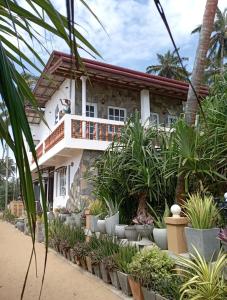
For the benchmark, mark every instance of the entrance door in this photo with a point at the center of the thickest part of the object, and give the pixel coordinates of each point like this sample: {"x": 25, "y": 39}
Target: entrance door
{"x": 91, "y": 112}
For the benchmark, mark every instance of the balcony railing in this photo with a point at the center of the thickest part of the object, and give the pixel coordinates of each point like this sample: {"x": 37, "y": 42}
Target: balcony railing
{"x": 56, "y": 136}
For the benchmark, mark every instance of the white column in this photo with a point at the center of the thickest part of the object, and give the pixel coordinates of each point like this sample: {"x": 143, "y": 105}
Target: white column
{"x": 84, "y": 96}
{"x": 72, "y": 97}
{"x": 145, "y": 106}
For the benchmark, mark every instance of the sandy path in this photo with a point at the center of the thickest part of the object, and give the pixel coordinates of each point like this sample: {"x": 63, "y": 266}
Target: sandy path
{"x": 63, "y": 280}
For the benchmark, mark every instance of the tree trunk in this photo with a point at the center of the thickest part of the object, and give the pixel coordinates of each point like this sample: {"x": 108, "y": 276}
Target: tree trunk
{"x": 197, "y": 77}
{"x": 200, "y": 61}
{"x": 142, "y": 206}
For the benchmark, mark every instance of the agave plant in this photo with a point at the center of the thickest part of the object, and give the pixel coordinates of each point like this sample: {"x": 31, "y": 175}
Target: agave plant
{"x": 203, "y": 280}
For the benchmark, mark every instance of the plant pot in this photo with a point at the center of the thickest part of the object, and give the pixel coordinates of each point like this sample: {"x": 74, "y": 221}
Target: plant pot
{"x": 224, "y": 246}
{"x": 101, "y": 226}
{"x": 114, "y": 279}
{"x": 105, "y": 273}
{"x": 93, "y": 223}
{"x": 72, "y": 256}
{"x": 130, "y": 233}
{"x": 204, "y": 240}
{"x": 111, "y": 222}
{"x": 160, "y": 237}
{"x": 159, "y": 297}
{"x": 89, "y": 265}
{"x": 83, "y": 264}
{"x": 123, "y": 280}
{"x": 148, "y": 294}
{"x": 120, "y": 231}
{"x": 97, "y": 271}
{"x": 77, "y": 219}
{"x": 137, "y": 292}
{"x": 144, "y": 231}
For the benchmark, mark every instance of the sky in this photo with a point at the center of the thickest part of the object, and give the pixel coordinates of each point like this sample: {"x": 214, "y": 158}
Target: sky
{"x": 135, "y": 30}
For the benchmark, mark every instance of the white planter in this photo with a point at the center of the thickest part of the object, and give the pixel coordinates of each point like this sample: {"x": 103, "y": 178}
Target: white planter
{"x": 77, "y": 219}
{"x": 160, "y": 237}
{"x": 93, "y": 223}
{"x": 224, "y": 246}
{"x": 120, "y": 231}
{"x": 101, "y": 226}
{"x": 131, "y": 233}
{"x": 111, "y": 222}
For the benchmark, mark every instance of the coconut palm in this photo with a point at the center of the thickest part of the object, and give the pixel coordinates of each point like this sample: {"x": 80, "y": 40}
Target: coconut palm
{"x": 218, "y": 40}
{"x": 169, "y": 66}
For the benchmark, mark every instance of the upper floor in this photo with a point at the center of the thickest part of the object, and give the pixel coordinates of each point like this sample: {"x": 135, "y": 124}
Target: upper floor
{"x": 85, "y": 107}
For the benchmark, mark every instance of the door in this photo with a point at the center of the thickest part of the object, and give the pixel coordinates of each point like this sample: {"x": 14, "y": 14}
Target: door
{"x": 91, "y": 112}
{"x": 51, "y": 191}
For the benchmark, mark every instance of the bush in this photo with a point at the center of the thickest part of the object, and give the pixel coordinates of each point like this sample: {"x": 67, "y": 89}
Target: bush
{"x": 124, "y": 257}
{"x": 8, "y": 216}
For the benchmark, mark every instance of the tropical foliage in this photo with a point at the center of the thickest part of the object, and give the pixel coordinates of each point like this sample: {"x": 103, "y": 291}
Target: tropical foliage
{"x": 169, "y": 66}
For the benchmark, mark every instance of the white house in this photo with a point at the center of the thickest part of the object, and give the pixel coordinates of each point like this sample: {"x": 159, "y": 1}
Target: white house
{"x": 84, "y": 109}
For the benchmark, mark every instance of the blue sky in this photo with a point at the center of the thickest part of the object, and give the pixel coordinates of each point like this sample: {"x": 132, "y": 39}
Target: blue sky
{"x": 135, "y": 30}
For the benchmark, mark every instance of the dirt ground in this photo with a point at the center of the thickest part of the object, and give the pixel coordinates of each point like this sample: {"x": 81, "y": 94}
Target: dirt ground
{"x": 63, "y": 279}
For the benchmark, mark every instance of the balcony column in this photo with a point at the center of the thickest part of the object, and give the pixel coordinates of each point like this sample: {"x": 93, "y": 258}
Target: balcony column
{"x": 145, "y": 106}
{"x": 84, "y": 96}
{"x": 72, "y": 97}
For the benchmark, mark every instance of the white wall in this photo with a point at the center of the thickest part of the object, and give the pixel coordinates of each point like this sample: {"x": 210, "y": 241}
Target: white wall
{"x": 60, "y": 201}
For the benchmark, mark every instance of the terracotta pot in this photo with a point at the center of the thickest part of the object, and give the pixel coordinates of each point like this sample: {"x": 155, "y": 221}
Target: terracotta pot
{"x": 105, "y": 273}
{"x": 123, "y": 280}
{"x": 89, "y": 265}
{"x": 114, "y": 279}
{"x": 136, "y": 288}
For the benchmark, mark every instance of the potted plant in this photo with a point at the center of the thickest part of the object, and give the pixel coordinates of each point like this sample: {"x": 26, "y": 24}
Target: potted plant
{"x": 202, "y": 214}
{"x": 80, "y": 252}
{"x": 112, "y": 269}
{"x": 144, "y": 226}
{"x": 96, "y": 210}
{"x": 112, "y": 218}
{"x": 160, "y": 231}
{"x": 122, "y": 259}
{"x": 222, "y": 236}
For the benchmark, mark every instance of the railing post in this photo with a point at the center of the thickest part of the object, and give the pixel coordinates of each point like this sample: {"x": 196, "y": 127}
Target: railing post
{"x": 67, "y": 128}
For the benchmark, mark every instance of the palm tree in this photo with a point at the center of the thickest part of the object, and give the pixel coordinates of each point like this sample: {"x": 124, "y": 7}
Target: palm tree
{"x": 197, "y": 78}
{"x": 169, "y": 66}
{"x": 218, "y": 40}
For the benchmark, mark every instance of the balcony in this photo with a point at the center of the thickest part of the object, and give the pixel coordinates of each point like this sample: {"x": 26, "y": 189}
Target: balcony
{"x": 76, "y": 132}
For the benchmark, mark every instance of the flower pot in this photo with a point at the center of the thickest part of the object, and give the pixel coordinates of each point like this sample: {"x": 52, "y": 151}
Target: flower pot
{"x": 224, "y": 246}
{"x": 83, "y": 264}
{"x": 204, "y": 240}
{"x": 72, "y": 256}
{"x": 137, "y": 292}
{"x": 97, "y": 271}
{"x": 123, "y": 280}
{"x": 120, "y": 231}
{"x": 105, "y": 273}
{"x": 93, "y": 223}
{"x": 111, "y": 222}
{"x": 130, "y": 233}
{"x": 89, "y": 265}
{"x": 160, "y": 237}
{"x": 101, "y": 226}
{"x": 148, "y": 294}
{"x": 144, "y": 231}
{"x": 159, "y": 297}
{"x": 114, "y": 279}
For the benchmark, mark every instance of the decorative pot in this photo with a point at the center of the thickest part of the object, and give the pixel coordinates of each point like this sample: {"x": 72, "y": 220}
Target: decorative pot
{"x": 137, "y": 292}
{"x": 93, "y": 223}
{"x": 123, "y": 280}
{"x": 159, "y": 297}
{"x": 89, "y": 264}
{"x": 101, "y": 226}
{"x": 105, "y": 273}
{"x": 160, "y": 237}
{"x": 111, "y": 222}
{"x": 130, "y": 233}
{"x": 97, "y": 271}
{"x": 120, "y": 231}
{"x": 204, "y": 240}
{"x": 148, "y": 294}
{"x": 114, "y": 279}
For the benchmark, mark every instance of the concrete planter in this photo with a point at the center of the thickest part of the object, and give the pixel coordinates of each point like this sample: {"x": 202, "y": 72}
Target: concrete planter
{"x": 137, "y": 292}
{"x": 105, "y": 273}
{"x": 120, "y": 231}
{"x": 204, "y": 240}
{"x": 89, "y": 265}
{"x": 93, "y": 223}
{"x": 148, "y": 294}
{"x": 224, "y": 246}
{"x": 131, "y": 233}
{"x": 77, "y": 219}
{"x": 101, "y": 226}
{"x": 114, "y": 279}
{"x": 159, "y": 297}
{"x": 160, "y": 237}
{"x": 97, "y": 271}
{"x": 111, "y": 222}
{"x": 123, "y": 280}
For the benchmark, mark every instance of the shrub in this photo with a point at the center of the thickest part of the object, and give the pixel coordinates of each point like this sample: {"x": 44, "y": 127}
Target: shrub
{"x": 124, "y": 257}
{"x": 97, "y": 208}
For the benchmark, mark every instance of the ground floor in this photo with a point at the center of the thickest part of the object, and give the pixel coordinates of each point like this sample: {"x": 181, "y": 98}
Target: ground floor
{"x": 63, "y": 279}
{"x": 66, "y": 181}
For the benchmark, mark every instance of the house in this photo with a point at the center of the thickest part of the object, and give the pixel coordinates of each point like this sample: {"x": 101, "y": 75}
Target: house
{"x": 84, "y": 108}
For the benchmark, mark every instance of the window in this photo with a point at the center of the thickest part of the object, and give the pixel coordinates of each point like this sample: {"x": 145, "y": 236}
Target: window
{"x": 90, "y": 111}
{"x": 154, "y": 119}
{"x": 116, "y": 114}
{"x": 171, "y": 120}
{"x": 61, "y": 176}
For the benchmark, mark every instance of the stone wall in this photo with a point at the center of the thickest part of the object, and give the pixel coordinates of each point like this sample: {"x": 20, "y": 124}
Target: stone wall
{"x": 81, "y": 188}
